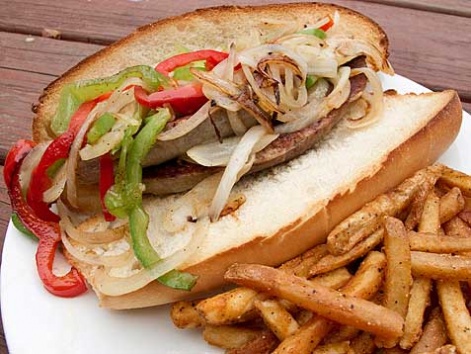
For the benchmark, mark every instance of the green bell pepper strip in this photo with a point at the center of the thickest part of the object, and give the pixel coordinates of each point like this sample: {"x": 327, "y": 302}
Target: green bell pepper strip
{"x": 315, "y": 32}
{"x": 178, "y": 280}
{"x": 100, "y": 127}
{"x": 75, "y": 94}
{"x": 21, "y": 227}
{"x": 310, "y": 81}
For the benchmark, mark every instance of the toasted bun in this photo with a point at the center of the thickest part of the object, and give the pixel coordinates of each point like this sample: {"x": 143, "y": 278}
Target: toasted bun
{"x": 291, "y": 208}
{"x": 207, "y": 28}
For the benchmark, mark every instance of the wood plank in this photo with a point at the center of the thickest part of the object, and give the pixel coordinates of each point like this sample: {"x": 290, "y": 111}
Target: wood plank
{"x": 435, "y": 58}
{"x": 450, "y": 7}
{"x": 5, "y": 212}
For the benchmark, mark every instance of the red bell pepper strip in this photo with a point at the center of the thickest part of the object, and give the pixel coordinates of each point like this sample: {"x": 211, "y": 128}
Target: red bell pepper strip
{"x": 184, "y": 100}
{"x": 48, "y": 233}
{"x": 58, "y": 149}
{"x": 328, "y": 25}
{"x": 105, "y": 183}
{"x": 16, "y": 154}
{"x": 212, "y": 58}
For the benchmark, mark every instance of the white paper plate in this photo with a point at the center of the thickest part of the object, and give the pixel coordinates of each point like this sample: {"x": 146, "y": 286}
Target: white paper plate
{"x": 37, "y": 322}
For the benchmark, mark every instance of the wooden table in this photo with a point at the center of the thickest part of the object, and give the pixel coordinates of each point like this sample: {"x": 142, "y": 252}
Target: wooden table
{"x": 430, "y": 43}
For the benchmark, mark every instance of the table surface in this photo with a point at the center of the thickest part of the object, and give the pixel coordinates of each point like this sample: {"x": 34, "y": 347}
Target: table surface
{"x": 430, "y": 44}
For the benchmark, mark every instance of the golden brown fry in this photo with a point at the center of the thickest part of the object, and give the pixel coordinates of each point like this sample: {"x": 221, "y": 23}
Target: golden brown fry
{"x": 276, "y": 317}
{"x": 417, "y": 206}
{"x": 228, "y": 337}
{"x": 363, "y": 344}
{"x": 419, "y": 300}
{"x": 184, "y": 315}
{"x": 453, "y": 178}
{"x": 326, "y": 302}
{"x": 398, "y": 276}
{"x": 334, "y": 279}
{"x": 446, "y": 349}
{"x": 394, "y": 350}
{"x": 265, "y": 343}
{"x": 337, "y": 348}
{"x": 451, "y": 204}
{"x": 233, "y": 306}
{"x": 430, "y": 218}
{"x": 457, "y": 227}
{"x": 465, "y": 215}
{"x": 428, "y": 242}
{"x": 341, "y": 334}
{"x": 434, "y": 334}
{"x": 362, "y": 223}
{"x": 300, "y": 265}
{"x": 441, "y": 266}
{"x": 457, "y": 317}
{"x": 331, "y": 262}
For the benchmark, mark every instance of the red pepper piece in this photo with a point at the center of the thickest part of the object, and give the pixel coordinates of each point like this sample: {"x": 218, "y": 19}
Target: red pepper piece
{"x": 17, "y": 153}
{"x": 48, "y": 233}
{"x": 184, "y": 100}
{"x": 58, "y": 149}
{"x": 212, "y": 58}
{"x": 328, "y": 25}
{"x": 105, "y": 183}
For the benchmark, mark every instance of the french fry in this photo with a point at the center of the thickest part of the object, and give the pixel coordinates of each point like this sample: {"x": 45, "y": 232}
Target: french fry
{"x": 265, "y": 343}
{"x": 434, "y": 334}
{"x": 394, "y": 350}
{"x": 430, "y": 218}
{"x": 365, "y": 221}
{"x": 446, "y": 349}
{"x": 441, "y": 266}
{"x": 419, "y": 300}
{"x": 276, "y": 318}
{"x": 300, "y": 265}
{"x": 331, "y": 262}
{"x": 428, "y": 242}
{"x": 184, "y": 315}
{"x": 363, "y": 344}
{"x": 326, "y": 302}
{"x": 337, "y": 348}
{"x": 341, "y": 334}
{"x": 334, "y": 279}
{"x": 451, "y": 204}
{"x": 233, "y": 306}
{"x": 453, "y": 178}
{"x": 465, "y": 215}
{"x": 457, "y": 317}
{"x": 417, "y": 206}
{"x": 229, "y": 337}
{"x": 457, "y": 227}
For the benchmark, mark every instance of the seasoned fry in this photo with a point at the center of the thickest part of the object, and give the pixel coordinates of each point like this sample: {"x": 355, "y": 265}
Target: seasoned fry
{"x": 451, "y": 204}
{"x": 453, "y": 178}
{"x": 233, "y": 306}
{"x": 326, "y": 302}
{"x": 184, "y": 315}
{"x": 334, "y": 279}
{"x": 230, "y": 336}
{"x": 428, "y": 242}
{"x": 419, "y": 300}
{"x": 394, "y": 350}
{"x": 341, "y": 334}
{"x": 337, "y": 348}
{"x": 265, "y": 343}
{"x": 362, "y": 223}
{"x": 465, "y": 215}
{"x": 434, "y": 334}
{"x": 457, "y": 227}
{"x": 457, "y": 317}
{"x": 331, "y": 262}
{"x": 417, "y": 206}
{"x": 441, "y": 266}
{"x": 430, "y": 218}
{"x": 300, "y": 265}
{"x": 363, "y": 344}
{"x": 276, "y": 317}
{"x": 398, "y": 277}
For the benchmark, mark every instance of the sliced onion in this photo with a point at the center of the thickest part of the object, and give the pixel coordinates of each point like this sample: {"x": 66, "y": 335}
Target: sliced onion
{"x": 30, "y": 162}
{"x": 214, "y": 153}
{"x": 236, "y": 163}
{"x": 58, "y": 185}
{"x": 95, "y": 259}
{"x": 115, "y": 286}
{"x": 187, "y": 125}
{"x": 237, "y": 125}
{"x": 374, "y": 99}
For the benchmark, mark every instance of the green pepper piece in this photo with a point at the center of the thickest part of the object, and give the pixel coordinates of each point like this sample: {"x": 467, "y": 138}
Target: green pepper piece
{"x": 52, "y": 170}
{"x": 178, "y": 280}
{"x": 75, "y": 94}
{"x": 315, "y": 32}
{"x": 184, "y": 73}
{"x": 101, "y": 126}
{"x": 310, "y": 81}
{"x": 21, "y": 227}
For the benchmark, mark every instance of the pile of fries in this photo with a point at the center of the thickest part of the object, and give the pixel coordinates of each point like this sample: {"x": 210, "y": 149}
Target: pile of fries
{"x": 394, "y": 277}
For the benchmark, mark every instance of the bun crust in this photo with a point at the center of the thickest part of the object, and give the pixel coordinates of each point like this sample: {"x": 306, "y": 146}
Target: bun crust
{"x": 214, "y": 27}
{"x": 436, "y": 118}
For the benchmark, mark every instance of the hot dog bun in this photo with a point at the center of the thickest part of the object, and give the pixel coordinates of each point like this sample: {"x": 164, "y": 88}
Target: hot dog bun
{"x": 207, "y": 28}
{"x": 292, "y": 207}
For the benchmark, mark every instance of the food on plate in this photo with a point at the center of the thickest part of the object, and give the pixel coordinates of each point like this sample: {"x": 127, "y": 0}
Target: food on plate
{"x": 232, "y": 134}
{"x": 417, "y": 313}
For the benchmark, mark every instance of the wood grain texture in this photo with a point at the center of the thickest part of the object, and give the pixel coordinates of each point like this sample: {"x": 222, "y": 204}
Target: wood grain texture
{"x": 4, "y": 218}
{"x": 450, "y": 7}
